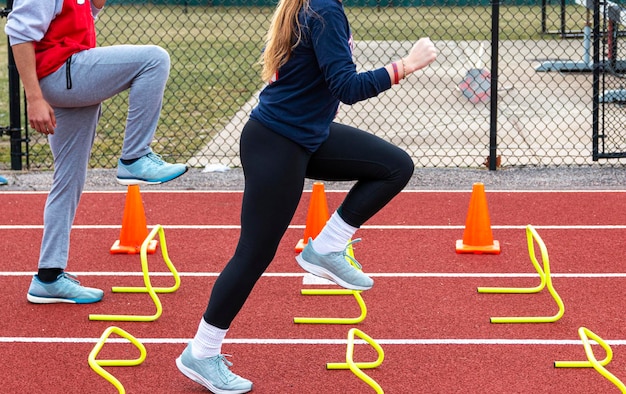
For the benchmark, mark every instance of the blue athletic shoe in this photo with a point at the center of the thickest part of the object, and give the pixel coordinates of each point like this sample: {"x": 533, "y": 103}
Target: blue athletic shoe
{"x": 3, "y": 181}
{"x": 212, "y": 373}
{"x": 339, "y": 267}
{"x": 148, "y": 170}
{"x": 66, "y": 288}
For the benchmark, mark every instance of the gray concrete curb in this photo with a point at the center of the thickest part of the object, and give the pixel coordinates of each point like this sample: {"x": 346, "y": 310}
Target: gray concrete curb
{"x": 588, "y": 178}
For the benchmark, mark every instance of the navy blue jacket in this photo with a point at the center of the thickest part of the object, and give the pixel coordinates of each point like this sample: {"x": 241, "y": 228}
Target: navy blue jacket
{"x": 302, "y": 100}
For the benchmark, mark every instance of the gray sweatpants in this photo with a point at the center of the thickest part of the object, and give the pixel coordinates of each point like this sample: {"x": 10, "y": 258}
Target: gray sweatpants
{"x": 95, "y": 75}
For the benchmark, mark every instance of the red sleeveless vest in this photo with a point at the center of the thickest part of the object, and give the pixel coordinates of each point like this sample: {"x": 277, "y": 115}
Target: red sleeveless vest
{"x": 71, "y": 31}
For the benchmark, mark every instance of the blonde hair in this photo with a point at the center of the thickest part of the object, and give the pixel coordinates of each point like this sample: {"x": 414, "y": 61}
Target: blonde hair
{"x": 279, "y": 41}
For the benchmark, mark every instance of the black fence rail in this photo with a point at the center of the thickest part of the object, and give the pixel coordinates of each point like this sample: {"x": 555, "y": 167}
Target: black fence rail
{"x": 609, "y": 132}
{"x": 512, "y": 86}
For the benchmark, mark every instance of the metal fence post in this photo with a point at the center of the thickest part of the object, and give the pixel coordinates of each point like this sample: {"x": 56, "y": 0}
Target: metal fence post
{"x": 493, "y": 122}
{"x": 597, "y": 68}
{"x": 15, "y": 122}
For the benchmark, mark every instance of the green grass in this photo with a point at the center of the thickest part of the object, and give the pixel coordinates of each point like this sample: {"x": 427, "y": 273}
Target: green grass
{"x": 214, "y": 52}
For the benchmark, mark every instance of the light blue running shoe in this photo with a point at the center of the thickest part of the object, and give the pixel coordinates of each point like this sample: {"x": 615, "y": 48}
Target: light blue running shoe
{"x": 148, "y": 170}
{"x": 212, "y": 373}
{"x": 3, "y": 181}
{"x": 66, "y": 288}
{"x": 340, "y": 267}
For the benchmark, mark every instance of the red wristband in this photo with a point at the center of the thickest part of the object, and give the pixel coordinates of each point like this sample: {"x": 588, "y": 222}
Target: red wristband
{"x": 395, "y": 73}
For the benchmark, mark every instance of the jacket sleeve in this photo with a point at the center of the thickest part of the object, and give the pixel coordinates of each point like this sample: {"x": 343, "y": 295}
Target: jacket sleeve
{"x": 29, "y": 19}
{"x": 332, "y": 43}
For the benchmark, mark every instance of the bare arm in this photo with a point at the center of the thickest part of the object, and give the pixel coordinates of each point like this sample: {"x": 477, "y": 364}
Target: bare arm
{"x": 98, "y": 3}
{"x": 421, "y": 55}
{"x": 40, "y": 114}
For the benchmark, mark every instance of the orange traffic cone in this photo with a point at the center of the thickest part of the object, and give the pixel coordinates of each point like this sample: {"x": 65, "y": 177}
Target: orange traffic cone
{"x": 134, "y": 228}
{"x": 477, "y": 237}
{"x": 316, "y": 217}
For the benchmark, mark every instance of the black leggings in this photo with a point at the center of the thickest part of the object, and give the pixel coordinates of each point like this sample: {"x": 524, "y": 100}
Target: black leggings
{"x": 275, "y": 169}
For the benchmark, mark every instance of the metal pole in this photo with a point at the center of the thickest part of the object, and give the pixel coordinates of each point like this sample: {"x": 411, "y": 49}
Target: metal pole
{"x": 15, "y": 120}
{"x": 544, "y": 15}
{"x": 563, "y": 16}
{"x": 493, "y": 122}
{"x": 597, "y": 68}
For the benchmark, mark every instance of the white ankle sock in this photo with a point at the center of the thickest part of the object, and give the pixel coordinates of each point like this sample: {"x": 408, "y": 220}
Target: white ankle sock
{"x": 208, "y": 340}
{"x": 334, "y": 236}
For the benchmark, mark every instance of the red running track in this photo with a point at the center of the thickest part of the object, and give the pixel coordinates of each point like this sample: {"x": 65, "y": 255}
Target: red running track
{"x": 424, "y": 309}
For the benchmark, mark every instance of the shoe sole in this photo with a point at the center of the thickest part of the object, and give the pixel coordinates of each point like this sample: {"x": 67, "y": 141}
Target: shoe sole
{"x": 191, "y": 374}
{"x": 324, "y": 273}
{"x": 52, "y": 300}
{"x": 136, "y": 181}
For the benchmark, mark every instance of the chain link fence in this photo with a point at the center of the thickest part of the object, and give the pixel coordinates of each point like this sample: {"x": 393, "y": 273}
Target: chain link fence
{"x": 609, "y": 86}
{"x": 443, "y": 116}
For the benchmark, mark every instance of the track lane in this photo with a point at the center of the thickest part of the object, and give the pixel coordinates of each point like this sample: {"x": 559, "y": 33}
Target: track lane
{"x": 423, "y": 307}
{"x": 417, "y": 208}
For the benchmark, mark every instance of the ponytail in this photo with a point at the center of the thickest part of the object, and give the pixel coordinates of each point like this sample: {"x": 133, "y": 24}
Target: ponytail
{"x": 284, "y": 34}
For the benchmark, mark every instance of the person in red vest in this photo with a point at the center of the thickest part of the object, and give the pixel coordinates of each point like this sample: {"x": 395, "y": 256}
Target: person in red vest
{"x": 66, "y": 77}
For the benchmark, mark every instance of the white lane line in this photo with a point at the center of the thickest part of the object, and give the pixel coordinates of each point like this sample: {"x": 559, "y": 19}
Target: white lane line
{"x": 310, "y": 279}
{"x": 468, "y": 191}
{"x": 301, "y": 226}
{"x": 321, "y": 341}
